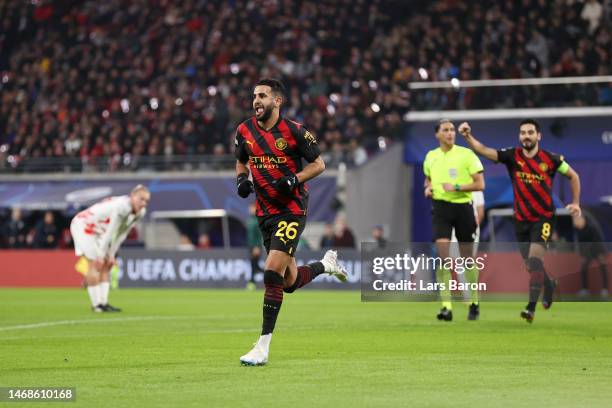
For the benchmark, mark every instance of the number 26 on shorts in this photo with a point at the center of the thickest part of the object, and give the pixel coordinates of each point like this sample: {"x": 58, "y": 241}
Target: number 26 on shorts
{"x": 286, "y": 231}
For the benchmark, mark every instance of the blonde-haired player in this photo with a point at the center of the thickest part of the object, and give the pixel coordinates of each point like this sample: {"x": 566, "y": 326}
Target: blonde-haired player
{"x": 99, "y": 231}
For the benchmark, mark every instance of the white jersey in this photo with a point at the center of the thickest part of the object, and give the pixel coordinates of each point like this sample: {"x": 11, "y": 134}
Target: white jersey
{"x": 99, "y": 230}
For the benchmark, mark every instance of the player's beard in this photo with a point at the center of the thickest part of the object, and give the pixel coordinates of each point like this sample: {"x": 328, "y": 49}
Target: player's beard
{"x": 266, "y": 113}
{"x": 528, "y": 145}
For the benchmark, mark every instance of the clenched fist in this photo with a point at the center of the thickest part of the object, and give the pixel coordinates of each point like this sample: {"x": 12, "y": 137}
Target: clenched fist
{"x": 465, "y": 129}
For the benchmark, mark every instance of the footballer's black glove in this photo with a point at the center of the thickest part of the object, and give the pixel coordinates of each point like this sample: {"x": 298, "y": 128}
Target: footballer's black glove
{"x": 286, "y": 185}
{"x": 245, "y": 186}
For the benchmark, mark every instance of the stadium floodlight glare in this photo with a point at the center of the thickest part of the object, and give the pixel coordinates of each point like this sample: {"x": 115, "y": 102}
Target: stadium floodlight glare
{"x": 125, "y": 105}
{"x": 154, "y": 103}
{"x": 423, "y": 73}
{"x": 382, "y": 143}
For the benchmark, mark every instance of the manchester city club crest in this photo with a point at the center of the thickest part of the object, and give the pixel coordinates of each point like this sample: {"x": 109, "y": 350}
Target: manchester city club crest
{"x": 281, "y": 144}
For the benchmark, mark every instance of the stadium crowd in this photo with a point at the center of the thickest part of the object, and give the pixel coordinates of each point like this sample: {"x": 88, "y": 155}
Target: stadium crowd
{"x": 116, "y": 80}
{"x": 41, "y": 230}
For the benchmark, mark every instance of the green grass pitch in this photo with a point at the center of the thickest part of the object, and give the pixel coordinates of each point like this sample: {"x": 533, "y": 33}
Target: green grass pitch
{"x": 180, "y": 348}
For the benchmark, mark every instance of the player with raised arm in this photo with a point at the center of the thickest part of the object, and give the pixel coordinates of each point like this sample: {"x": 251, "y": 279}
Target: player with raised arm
{"x": 532, "y": 170}
{"x": 271, "y": 149}
{"x": 98, "y": 232}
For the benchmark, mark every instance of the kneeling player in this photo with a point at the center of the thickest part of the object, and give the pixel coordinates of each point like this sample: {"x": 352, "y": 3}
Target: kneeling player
{"x": 98, "y": 232}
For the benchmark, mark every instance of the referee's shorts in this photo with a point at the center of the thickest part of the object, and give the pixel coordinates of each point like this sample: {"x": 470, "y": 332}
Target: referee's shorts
{"x": 447, "y": 216}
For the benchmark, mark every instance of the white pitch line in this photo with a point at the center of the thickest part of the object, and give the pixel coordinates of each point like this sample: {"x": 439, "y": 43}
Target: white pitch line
{"x": 87, "y": 321}
{"x": 128, "y": 319}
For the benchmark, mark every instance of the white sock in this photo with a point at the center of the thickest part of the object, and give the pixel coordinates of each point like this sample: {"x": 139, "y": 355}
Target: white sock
{"x": 93, "y": 294}
{"x": 264, "y": 341}
{"x": 104, "y": 287}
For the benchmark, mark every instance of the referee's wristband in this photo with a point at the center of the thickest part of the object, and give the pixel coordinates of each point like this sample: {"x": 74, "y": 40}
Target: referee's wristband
{"x": 457, "y": 187}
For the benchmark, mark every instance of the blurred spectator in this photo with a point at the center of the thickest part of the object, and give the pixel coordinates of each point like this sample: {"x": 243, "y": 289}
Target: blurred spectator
{"x": 592, "y": 12}
{"x": 185, "y": 243}
{"x": 327, "y": 240}
{"x": 592, "y": 248}
{"x": 204, "y": 241}
{"x": 16, "y": 231}
{"x": 46, "y": 234}
{"x": 357, "y": 153}
{"x": 538, "y": 47}
{"x": 378, "y": 234}
{"x": 343, "y": 237}
{"x": 303, "y": 244}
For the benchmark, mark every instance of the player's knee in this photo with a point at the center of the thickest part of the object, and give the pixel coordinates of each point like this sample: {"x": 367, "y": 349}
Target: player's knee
{"x": 535, "y": 264}
{"x": 92, "y": 279}
{"x": 93, "y": 273}
{"x": 272, "y": 278}
{"x": 290, "y": 289}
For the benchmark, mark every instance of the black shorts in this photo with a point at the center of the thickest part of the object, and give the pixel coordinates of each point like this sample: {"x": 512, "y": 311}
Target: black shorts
{"x": 528, "y": 232}
{"x": 447, "y": 216}
{"x": 282, "y": 232}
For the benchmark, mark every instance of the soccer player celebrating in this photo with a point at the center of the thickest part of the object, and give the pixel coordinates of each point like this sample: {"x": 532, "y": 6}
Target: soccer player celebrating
{"x": 531, "y": 170}
{"x": 271, "y": 148}
{"x": 98, "y": 232}
{"x": 452, "y": 172}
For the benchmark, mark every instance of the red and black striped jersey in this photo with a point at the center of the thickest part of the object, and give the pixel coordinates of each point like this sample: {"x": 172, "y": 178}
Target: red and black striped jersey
{"x": 532, "y": 180}
{"x": 273, "y": 154}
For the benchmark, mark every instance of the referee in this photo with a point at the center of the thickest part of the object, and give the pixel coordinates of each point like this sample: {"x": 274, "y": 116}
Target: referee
{"x": 451, "y": 174}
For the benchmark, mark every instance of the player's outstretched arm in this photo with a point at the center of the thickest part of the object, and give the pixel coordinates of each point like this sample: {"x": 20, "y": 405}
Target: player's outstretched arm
{"x": 311, "y": 170}
{"x": 478, "y": 147}
{"x": 574, "y": 207}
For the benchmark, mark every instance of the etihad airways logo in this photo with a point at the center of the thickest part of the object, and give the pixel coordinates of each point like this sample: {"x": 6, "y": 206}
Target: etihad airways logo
{"x": 530, "y": 178}
{"x": 267, "y": 162}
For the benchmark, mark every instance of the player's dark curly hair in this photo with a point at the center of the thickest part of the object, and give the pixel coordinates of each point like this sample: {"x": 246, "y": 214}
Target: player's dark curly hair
{"x": 530, "y": 122}
{"x": 277, "y": 86}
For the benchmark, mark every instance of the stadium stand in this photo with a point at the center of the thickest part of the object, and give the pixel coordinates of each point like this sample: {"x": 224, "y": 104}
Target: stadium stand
{"x": 107, "y": 84}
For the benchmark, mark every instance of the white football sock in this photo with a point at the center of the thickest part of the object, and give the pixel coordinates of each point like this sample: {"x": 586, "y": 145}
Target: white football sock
{"x": 93, "y": 294}
{"x": 264, "y": 341}
{"x": 104, "y": 287}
